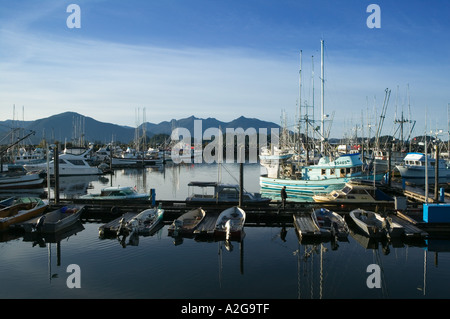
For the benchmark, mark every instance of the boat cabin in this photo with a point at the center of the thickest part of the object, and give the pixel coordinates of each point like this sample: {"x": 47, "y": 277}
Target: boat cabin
{"x": 347, "y": 165}
{"x": 219, "y": 192}
{"x": 418, "y": 159}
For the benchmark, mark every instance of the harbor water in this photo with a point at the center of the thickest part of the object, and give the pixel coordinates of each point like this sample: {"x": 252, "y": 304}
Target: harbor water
{"x": 269, "y": 263}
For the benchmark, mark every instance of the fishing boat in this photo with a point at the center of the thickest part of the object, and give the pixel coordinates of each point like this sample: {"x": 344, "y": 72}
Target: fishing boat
{"x": 119, "y": 193}
{"x": 69, "y": 164}
{"x": 230, "y": 224}
{"x": 214, "y": 192}
{"x": 305, "y": 180}
{"x": 56, "y": 220}
{"x": 415, "y": 165}
{"x": 325, "y": 176}
{"x": 21, "y": 210}
{"x": 381, "y": 158}
{"x": 145, "y": 222}
{"x": 331, "y": 222}
{"x": 374, "y": 225}
{"x": 355, "y": 193}
{"x": 25, "y": 156}
{"x": 186, "y": 224}
{"x": 133, "y": 158}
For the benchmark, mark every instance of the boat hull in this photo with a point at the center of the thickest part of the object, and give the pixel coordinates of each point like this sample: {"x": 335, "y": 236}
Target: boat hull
{"x": 331, "y": 222}
{"x": 22, "y": 181}
{"x": 145, "y": 222}
{"x": 23, "y": 214}
{"x": 369, "y": 223}
{"x": 230, "y": 224}
{"x": 59, "y": 219}
{"x": 298, "y": 189}
{"x": 187, "y": 223}
{"x": 416, "y": 175}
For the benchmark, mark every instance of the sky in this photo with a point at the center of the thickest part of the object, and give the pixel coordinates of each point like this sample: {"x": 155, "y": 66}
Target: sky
{"x": 136, "y": 60}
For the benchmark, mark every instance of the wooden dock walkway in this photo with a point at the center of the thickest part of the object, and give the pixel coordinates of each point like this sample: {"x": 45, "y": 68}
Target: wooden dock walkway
{"x": 409, "y": 225}
{"x": 305, "y": 226}
{"x": 416, "y": 193}
{"x": 112, "y": 226}
{"x": 207, "y": 225}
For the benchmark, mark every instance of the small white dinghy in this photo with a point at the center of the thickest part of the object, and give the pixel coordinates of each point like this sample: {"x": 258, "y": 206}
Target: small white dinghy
{"x": 145, "y": 222}
{"x": 374, "y": 225}
{"x": 230, "y": 224}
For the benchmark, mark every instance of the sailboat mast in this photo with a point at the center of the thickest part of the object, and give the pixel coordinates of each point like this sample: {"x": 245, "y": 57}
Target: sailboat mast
{"x": 322, "y": 100}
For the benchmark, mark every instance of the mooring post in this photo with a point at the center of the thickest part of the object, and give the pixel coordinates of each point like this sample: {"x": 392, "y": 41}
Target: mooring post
{"x": 153, "y": 196}
{"x": 110, "y": 158}
{"x": 436, "y": 174}
{"x": 389, "y": 166}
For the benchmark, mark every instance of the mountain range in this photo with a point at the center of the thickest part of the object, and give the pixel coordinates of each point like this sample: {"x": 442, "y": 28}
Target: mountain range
{"x": 71, "y": 126}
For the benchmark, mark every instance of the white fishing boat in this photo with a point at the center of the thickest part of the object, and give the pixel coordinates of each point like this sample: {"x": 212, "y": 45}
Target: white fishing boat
{"x": 69, "y": 165}
{"x": 415, "y": 165}
{"x": 230, "y": 224}
{"x": 28, "y": 157}
{"x": 133, "y": 158}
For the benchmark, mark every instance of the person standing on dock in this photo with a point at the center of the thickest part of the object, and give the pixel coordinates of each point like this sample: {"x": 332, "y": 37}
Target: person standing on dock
{"x": 283, "y": 196}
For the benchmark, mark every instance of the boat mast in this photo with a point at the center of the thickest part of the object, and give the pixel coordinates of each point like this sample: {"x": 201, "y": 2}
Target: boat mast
{"x": 299, "y": 106}
{"x": 322, "y": 100}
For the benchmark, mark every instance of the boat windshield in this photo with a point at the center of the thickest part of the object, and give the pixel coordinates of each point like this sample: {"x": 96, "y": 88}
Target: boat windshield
{"x": 346, "y": 189}
{"x": 128, "y": 191}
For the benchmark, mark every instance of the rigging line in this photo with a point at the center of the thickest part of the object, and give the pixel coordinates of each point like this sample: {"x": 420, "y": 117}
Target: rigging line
{"x": 231, "y": 174}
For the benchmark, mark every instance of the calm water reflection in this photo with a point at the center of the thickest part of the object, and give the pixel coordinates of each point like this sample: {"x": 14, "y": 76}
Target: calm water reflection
{"x": 269, "y": 263}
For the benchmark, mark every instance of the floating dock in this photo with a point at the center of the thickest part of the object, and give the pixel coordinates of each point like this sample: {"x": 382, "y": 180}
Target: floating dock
{"x": 305, "y": 226}
{"x": 207, "y": 225}
{"x": 111, "y": 228}
{"x": 409, "y": 225}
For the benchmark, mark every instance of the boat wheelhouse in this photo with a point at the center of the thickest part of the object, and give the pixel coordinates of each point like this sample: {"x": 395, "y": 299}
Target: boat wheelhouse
{"x": 213, "y": 192}
{"x": 415, "y": 165}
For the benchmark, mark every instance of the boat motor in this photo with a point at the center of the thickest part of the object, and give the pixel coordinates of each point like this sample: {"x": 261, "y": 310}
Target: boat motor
{"x": 39, "y": 223}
